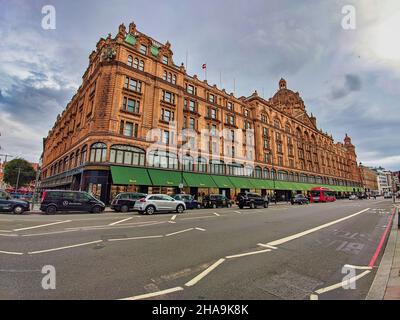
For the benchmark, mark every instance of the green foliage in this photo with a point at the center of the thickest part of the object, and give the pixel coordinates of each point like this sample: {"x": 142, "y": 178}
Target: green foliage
{"x": 27, "y": 173}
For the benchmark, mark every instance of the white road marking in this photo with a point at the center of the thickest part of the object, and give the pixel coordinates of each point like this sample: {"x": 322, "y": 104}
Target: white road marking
{"x": 358, "y": 267}
{"x": 46, "y": 233}
{"x": 136, "y": 238}
{"x": 203, "y": 217}
{"x": 66, "y": 247}
{"x": 217, "y": 214}
{"x": 173, "y": 217}
{"x": 171, "y": 221}
{"x": 237, "y": 211}
{"x": 343, "y": 283}
{"x": 304, "y": 233}
{"x": 173, "y": 233}
{"x": 9, "y": 235}
{"x": 313, "y": 297}
{"x": 154, "y": 294}
{"x": 42, "y": 225}
{"x": 266, "y": 246}
{"x": 114, "y": 223}
{"x": 5, "y": 231}
{"x": 247, "y": 254}
{"x": 204, "y": 273}
{"x": 12, "y": 253}
{"x": 200, "y": 229}
{"x": 134, "y": 224}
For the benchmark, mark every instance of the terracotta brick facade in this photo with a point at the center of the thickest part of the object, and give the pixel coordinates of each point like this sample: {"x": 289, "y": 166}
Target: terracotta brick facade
{"x": 286, "y": 137}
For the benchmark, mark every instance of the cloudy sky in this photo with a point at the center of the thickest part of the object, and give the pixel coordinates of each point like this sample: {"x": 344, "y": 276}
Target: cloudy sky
{"x": 349, "y": 79}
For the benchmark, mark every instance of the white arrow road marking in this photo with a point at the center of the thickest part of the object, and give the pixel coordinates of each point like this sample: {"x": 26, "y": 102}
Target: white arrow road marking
{"x": 114, "y": 223}
{"x": 66, "y": 247}
{"x": 173, "y": 233}
{"x": 12, "y": 253}
{"x": 154, "y": 294}
{"x": 42, "y": 225}
{"x": 266, "y": 246}
{"x": 217, "y": 214}
{"x": 339, "y": 285}
{"x": 358, "y": 267}
{"x": 247, "y": 254}
{"x": 204, "y": 273}
{"x": 173, "y": 217}
{"x": 200, "y": 229}
{"x": 304, "y": 233}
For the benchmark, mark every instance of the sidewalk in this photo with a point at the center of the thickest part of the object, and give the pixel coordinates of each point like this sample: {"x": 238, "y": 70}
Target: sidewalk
{"x": 393, "y": 285}
{"x": 386, "y": 284}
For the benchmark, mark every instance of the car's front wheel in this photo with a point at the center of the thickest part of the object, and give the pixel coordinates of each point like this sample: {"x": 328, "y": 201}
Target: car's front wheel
{"x": 51, "y": 210}
{"x": 18, "y": 210}
{"x": 124, "y": 208}
{"x": 96, "y": 209}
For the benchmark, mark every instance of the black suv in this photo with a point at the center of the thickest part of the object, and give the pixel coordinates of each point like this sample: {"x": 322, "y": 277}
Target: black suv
{"x": 63, "y": 200}
{"x": 252, "y": 200}
{"x": 125, "y": 202}
{"x": 299, "y": 199}
{"x": 12, "y": 205}
{"x": 215, "y": 201}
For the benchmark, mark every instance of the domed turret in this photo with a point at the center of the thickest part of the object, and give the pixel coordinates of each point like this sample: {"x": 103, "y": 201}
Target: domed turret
{"x": 282, "y": 84}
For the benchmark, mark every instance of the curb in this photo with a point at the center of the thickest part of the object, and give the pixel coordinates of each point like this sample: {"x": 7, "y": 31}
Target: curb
{"x": 378, "y": 287}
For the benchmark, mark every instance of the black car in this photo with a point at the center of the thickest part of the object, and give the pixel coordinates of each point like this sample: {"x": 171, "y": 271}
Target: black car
{"x": 252, "y": 200}
{"x": 63, "y": 200}
{"x": 125, "y": 202}
{"x": 12, "y": 205}
{"x": 299, "y": 199}
{"x": 189, "y": 200}
{"x": 216, "y": 200}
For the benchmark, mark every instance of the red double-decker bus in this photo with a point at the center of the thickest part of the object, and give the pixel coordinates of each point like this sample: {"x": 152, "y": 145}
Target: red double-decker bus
{"x": 321, "y": 194}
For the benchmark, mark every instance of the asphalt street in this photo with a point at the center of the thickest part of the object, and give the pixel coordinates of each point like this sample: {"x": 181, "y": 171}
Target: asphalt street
{"x": 282, "y": 252}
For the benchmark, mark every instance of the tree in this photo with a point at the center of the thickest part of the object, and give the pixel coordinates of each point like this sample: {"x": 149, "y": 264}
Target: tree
{"x": 27, "y": 173}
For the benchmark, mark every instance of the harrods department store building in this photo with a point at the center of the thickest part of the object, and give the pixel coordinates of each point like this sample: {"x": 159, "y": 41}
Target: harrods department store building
{"x": 100, "y": 143}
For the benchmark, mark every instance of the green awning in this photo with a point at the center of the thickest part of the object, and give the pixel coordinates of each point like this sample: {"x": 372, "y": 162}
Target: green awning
{"x": 130, "y": 39}
{"x": 262, "y": 184}
{"x": 164, "y": 178}
{"x": 130, "y": 176}
{"x": 241, "y": 183}
{"x": 199, "y": 180}
{"x": 284, "y": 185}
{"x": 222, "y": 182}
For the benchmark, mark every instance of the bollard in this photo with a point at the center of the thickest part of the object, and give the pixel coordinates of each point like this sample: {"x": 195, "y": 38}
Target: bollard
{"x": 398, "y": 218}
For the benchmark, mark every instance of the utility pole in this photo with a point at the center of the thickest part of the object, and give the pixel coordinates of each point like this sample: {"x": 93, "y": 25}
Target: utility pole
{"x": 16, "y": 185}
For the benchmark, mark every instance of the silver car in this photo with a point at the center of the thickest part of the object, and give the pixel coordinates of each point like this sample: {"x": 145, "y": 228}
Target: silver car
{"x": 158, "y": 202}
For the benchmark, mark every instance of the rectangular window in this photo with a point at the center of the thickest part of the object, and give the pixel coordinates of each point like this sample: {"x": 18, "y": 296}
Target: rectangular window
{"x": 165, "y": 59}
{"x": 167, "y": 115}
{"x": 166, "y": 137}
{"x": 192, "y": 106}
{"x": 128, "y": 130}
{"x": 143, "y": 49}
{"x": 190, "y": 89}
{"x": 213, "y": 114}
{"x": 168, "y": 97}
{"x": 192, "y": 123}
{"x": 211, "y": 98}
{"x": 230, "y": 106}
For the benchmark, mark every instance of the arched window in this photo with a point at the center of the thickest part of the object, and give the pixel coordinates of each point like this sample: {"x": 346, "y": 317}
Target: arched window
{"x": 282, "y": 175}
{"x": 98, "y": 152}
{"x": 258, "y": 172}
{"x": 291, "y": 176}
{"x": 296, "y": 177}
{"x": 235, "y": 169}
{"x": 187, "y": 163}
{"x": 201, "y": 165}
{"x": 136, "y": 63}
{"x": 266, "y": 173}
{"x": 83, "y": 155}
{"x": 169, "y": 79}
{"x": 130, "y": 61}
{"x": 165, "y": 75}
{"x": 217, "y": 167}
{"x": 66, "y": 163}
{"x": 125, "y": 154}
{"x": 303, "y": 178}
{"x": 248, "y": 170}
{"x": 174, "y": 79}
{"x": 273, "y": 174}
{"x": 141, "y": 65}
{"x": 277, "y": 124}
{"x": 72, "y": 161}
{"x": 77, "y": 159}
{"x": 162, "y": 159}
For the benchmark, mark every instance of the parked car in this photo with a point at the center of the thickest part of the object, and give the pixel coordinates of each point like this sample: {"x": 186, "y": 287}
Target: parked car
{"x": 157, "y": 203}
{"x": 251, "y": 200}
{"x": 12, "y": 205}
{"x": 189, "y": 200}
{"x": 216, "y": 200}
{"x": 353, "y": 197}
{"x": 299, "y": 199}
{"x": 125, "y": 202}
{"x": 63, "y": 200}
